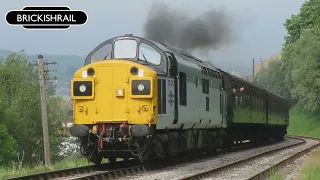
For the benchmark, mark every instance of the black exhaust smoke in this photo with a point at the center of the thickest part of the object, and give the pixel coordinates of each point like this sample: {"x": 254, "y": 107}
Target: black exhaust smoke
{"x": 210, "y": 30}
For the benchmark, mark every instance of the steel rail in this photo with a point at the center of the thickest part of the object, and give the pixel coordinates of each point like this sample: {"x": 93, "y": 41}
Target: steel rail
{"x": 161, "y": 164}
{"x": 74, "y": 171}
{"x": 211, "y": 172}
{"x": 115, "y": 173}
{"x": 122, "y": 168}
{"x": 267, "y": 172}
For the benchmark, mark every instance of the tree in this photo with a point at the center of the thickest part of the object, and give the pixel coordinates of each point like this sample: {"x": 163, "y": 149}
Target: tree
{"x": 287, "y": 66}
{"x": 272, "y": 78}
{"x": 308, "y": 18}
{"x": 19, "y": 95}
{"x": 305, "y": 73}
{"x": 7, "y": 146}
{"x": 7, "y": 143}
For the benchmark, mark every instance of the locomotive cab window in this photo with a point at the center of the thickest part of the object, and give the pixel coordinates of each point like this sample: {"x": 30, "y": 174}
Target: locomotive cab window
{"x": 125, "y": 49}
{"x": 101, "y": 54}
{"x": 149, "y": 54}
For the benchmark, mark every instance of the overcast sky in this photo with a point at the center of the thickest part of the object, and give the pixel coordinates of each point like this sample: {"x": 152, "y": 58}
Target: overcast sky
{"x": 258, "y": 25}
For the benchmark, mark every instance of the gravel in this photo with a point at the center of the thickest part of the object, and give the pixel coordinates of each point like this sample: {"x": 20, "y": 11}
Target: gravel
{"x": 251, "y": 168}
{"x": 292, "y": 171}
{"x": 187, "y": 169}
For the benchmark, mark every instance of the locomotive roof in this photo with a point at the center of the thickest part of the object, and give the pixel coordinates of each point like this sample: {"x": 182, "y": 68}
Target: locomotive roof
{"x": 189, "y": 57}
{"x": 183, "y": 54}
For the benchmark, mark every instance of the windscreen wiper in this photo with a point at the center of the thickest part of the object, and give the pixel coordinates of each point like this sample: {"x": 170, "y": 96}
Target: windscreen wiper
{"x": 105, "y": 56}
{"x": 145, "y": 59}
{"x": 144, "y": 56}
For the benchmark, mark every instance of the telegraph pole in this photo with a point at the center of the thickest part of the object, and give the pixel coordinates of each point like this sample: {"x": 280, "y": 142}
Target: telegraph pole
{"x": 46, "y": 142}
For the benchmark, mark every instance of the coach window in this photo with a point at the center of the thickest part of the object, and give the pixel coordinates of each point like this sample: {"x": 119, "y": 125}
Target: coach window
{"x": 269, "y": 105}
{"x": 249, "y": 97}
{"x": 246, "y": 102}
{"x": 254, "y": 100}
{"x": 125, "y": 48}
{"x": 240, "y": 97}
{"x": 245, "y": 99}
{"x": 259, "y": 102}
{"x": 262, "y": 101}
{"x": 148, "y": 53}
{"x": 183, "y": 88}
{"x": 233, "y": 96}
{"x": 236, "y": 95}
{"x": 101, "y": 54}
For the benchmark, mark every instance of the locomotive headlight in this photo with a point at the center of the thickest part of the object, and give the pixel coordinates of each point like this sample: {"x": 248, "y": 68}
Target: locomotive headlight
{"x": 140, "y": 87}
{"x": 82, "y": 88}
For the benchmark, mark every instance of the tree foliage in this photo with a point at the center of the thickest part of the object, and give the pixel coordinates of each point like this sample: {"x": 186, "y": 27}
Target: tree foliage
{"x": 19, "y": 97}
{"x": 272, "y": 78}
{"x": 308, "y": 18}
{"x": 299, "y": 71}
{"x": 7, "y": 143}
{"x": 305, "y": 72}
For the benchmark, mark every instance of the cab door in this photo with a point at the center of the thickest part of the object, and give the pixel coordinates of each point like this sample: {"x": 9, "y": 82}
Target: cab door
{"x": 173, "y": 75}
{"x": 166, "y": 102}
{"x": 167, "y": 95}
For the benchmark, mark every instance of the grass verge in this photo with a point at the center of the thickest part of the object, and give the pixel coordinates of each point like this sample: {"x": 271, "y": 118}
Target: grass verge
{"x": 307, "y": 124}
{"x": 15, "y": 170}
{"x": 304, "y": 123}
{"x": 311, "y": 169}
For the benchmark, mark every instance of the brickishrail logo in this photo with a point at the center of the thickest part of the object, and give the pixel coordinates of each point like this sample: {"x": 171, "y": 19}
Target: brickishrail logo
{"x": 46, "y": 17}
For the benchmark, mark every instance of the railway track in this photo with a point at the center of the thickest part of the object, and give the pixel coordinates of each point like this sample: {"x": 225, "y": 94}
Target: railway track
{"x": 58, "y": 174}
{"x": 262, "y": 174}
{"x": 122, "y": 169}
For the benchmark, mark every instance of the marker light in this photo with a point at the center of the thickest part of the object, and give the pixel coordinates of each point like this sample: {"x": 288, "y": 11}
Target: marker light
{"x": 82, "y": 88}
{"x": 141, "y": 87}
{"x": 119, "y": 92}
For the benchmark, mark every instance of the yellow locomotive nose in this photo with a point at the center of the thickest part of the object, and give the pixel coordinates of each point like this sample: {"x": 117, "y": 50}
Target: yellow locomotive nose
{"x": 114, "y": 91}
